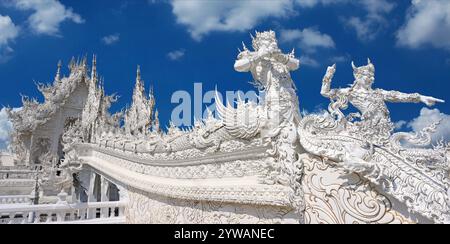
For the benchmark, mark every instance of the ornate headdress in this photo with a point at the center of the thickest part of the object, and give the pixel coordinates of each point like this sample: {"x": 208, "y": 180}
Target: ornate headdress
{"x": 263, "y": 36}
{"x": 369, "y": 69}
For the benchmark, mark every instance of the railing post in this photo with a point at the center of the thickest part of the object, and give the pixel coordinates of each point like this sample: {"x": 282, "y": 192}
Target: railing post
{"x": 37, "y": 217}
{"x": 104, "y": 212}
{"x": 47, "y": 213}
{"x": 121, "y": 211}
{"x": 30, "y": 217}
{"x": 60, "y": 216}
{"x": 11, "y": 218}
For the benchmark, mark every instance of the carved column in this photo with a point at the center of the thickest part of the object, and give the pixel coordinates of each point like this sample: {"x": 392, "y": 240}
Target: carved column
{"x": 91, "y": 196}
{"x": 30, "y": 151}
{"x": 104, "y": 196}
{"x": 123, "y": 193}
{"x": 57, "y": 131}
{"x": 123, "y": 196}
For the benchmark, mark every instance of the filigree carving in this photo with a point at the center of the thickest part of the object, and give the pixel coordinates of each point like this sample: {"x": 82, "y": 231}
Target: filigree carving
{"x": 331, "y": 199}
{"x": 147, "y": 208}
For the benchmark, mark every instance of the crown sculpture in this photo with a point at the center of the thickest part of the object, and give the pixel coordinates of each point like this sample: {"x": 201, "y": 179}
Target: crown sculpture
{"x": 255, "y": 163}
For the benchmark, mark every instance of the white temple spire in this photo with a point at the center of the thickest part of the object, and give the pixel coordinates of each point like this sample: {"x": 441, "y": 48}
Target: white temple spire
{"x": 94, "y": 69}
{"x": 72, "y": 64}
{"x": 138, "y": 73}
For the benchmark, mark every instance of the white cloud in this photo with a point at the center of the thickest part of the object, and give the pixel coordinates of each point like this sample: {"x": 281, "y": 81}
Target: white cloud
{"x": 5, "y": 129}
{"x": 176, "y": 55}
{"x": 427, "y": 23}
{"x": 429, "y": 116}
{"x": 307, "y": 39}
{"x": 8, "y": 33}
{"x": 340, "y": 59}
{"x": 47, "y": 15}
{"x": 363, "y": 28}
{"x": 111, "y": 39}
{"x": 202, "y": 17}
{"x": 308, "y": 61}
{"x": 312, "y": 3}
{"x": 367, "y": 28}
{"x": 377, "y": 7}
{"x": 400, "y": 124}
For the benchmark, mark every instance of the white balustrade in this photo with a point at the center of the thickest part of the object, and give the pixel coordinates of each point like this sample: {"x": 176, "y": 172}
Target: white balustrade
{"x": 16, "y": 199}
{"x": 16, "y": 174}
{"x": 63, "y": 213}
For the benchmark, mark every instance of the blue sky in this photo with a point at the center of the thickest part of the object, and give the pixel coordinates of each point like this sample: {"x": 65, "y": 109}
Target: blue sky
{"x": 180, "y": 42}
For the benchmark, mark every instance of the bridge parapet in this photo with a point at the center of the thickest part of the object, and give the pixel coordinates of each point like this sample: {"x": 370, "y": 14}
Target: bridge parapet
{"x": 104, "y": 212}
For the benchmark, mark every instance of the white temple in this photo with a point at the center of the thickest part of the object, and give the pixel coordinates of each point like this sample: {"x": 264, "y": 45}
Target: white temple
{"x": 257, "y": 163}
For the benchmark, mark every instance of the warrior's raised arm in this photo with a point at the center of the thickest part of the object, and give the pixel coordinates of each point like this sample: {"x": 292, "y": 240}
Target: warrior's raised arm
{"x": 244, "y": 62}
{"x": 400, "y": 97}
{"x": 326, "y": 90}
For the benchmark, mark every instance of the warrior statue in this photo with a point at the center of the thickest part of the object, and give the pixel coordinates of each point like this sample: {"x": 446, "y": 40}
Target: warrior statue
{"x": 277, "y": 116}
{"x": 370, "y": 102}
{"x": 403, "y": 164}
{"x": 271, "y": 69}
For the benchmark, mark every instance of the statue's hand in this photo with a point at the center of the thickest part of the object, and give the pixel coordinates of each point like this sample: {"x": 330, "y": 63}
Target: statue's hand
{"x": 330, "y": 73}
{"x": 430, "y": 101}
{"x": 264, "y": 52}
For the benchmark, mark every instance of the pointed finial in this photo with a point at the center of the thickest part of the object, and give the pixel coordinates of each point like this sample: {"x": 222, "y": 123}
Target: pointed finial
{"x": 353, "y": 65}
{"x": 150, "y": 93}
{"x": 58, "y": 71}
{"x": 72, "y": 64}
{"x": 245, "y": 47}
{"x": 94, "y": 68}
{"x": 84, "y": 61}
{"x": 368, "y": 61}
{"x": 138, "y": 73}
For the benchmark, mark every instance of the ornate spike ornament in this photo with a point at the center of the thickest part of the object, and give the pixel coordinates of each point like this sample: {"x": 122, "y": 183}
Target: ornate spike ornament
{"x": 58, "y": 72}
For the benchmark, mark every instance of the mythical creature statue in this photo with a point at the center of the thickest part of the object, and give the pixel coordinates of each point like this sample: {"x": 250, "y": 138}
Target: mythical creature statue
{"x": 370, "y": 102}
{"x": 403, "y": 164}
{"x": 278, "y": 115}
{"x": 271, "y": 69}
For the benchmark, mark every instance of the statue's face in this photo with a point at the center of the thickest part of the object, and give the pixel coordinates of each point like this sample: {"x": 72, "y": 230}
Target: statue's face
{"x": 364, "y": 79}
{"x": 267, "y": 44}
